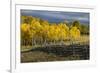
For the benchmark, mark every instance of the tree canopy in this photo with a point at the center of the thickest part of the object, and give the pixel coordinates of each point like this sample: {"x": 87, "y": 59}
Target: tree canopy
{"x": 41, "y": 31}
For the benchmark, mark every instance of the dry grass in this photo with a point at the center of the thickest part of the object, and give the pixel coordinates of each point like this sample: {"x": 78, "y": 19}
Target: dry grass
{"x": 56, "y": 53}
{"x": 82, "y": 40}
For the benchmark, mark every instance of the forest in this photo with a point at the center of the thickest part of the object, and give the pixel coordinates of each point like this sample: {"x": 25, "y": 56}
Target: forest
{"x": 37, "y": 33}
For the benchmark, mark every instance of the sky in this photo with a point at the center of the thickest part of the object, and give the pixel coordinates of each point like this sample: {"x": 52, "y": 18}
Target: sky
{"x": 58, "y": 16}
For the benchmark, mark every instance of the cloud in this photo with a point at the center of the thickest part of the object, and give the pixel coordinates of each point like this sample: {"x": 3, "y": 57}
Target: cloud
{"x": 54, "y": 15}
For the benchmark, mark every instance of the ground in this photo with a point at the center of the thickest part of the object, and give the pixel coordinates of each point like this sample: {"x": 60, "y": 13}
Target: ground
{"x": 56, "y": 53}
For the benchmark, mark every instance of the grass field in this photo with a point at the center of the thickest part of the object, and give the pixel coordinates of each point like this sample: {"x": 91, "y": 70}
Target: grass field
{"x": 83, "y": 40}
{"x": 56, "y": 53}
{"x": 78, "y": 50}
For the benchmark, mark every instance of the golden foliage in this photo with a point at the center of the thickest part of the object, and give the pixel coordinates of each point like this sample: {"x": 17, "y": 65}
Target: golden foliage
{"x": 44, "y": 31}
{"x": 75, "y": 32}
